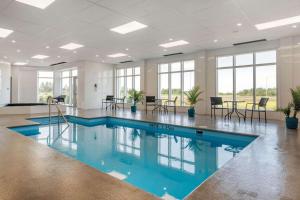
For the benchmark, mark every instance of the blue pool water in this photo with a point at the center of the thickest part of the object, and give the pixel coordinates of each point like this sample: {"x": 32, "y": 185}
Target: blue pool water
{"x": 165, "y": 160}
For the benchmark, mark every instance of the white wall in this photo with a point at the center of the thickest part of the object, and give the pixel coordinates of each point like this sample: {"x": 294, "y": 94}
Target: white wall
{"x": 24, "y": 84}
{"x": 5, "y": 70}
{"x": 90, "y": 74}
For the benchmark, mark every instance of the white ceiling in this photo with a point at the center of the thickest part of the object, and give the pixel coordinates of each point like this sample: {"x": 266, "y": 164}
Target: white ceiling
{"x": 88, "y": 22}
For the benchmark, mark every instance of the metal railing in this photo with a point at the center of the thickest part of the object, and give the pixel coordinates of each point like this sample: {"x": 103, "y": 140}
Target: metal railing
{"x": 52, "y": 102}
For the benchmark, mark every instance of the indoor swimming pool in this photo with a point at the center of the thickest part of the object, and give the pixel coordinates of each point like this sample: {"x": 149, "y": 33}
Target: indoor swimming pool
{"x": 167, "y": 161}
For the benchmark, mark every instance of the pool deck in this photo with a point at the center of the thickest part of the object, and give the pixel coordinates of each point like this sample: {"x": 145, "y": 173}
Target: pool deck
{"x": 269, "y": 168}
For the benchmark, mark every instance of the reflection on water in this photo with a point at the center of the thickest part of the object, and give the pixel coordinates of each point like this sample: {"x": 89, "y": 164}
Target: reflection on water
{"x": 164, "y": 165}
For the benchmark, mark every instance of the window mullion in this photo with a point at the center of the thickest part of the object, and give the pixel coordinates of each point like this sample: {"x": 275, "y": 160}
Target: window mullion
{"x": 182, "y": 83}
{"x": 169, "y": 82}
{"x": 234, "y": 79}
{"x": 254, "y": 77}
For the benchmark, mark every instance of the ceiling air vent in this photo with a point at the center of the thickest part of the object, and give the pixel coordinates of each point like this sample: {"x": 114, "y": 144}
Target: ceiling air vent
{"x": 54, "y": 64}
{"x": 249, "y": 42}
{"x": 173, "y": 54}
{"x": 127, "y": 61}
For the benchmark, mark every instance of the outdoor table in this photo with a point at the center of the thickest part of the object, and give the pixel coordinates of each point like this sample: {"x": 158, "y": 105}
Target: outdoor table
{"x": 234, "y": 109}
{"x": 159, "y": 105}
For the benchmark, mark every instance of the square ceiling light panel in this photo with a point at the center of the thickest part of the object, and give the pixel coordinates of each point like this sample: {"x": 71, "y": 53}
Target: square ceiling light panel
{"x": 20, "y": 63}
{"x": 117, "y": 55}
{"x": 40, "y": 57}
{"x": 278, "y": 23}
{"x": 71, "y": 46}
{"x": 174, "y": 44}
{"x": 129, "y": 27}
{"x": 42, "y": 4}
{"x": 5, "y": 32}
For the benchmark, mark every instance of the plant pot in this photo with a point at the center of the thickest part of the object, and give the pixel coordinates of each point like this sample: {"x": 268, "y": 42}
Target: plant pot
{"x": 133, "y": 109}
{"x": 291, "y": 122}
{"x": 191, "y": 112}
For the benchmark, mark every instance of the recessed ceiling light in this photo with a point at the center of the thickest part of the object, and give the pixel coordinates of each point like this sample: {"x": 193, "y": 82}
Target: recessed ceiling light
{"x": 97, "y": 56}
{"x": 239, "y": 24}
{"x": 127, "y": 49}
{"x": 5, "y": 32}
{"x": 40, "y": 57}
{"x": 47, "y": 47}
{"x": 58, "y": 56}
{"x": 294, "y": 26}
{"x": 20, "y": 63}
{"x": 74, "y": 51}
{"x": 42, "y": 4}
{"x": 13, "y": 41}
{"x": 277, "y": 23}
{"x": 18, "y": 50}
{"x": 117, "y": 55}
{"x": 129, "y": 27}
{"x": 5, "y": 57}
{"x": 215, "y": 41}
{"x": 174, "y": 44}
{"x": 171, "y": 39}
{"x": 71, "y": 46}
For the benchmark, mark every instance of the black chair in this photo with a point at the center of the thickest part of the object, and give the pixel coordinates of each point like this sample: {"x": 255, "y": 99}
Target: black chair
{"x": 259, "y": 107}
{"x": 171, "y": 104}
{"x": 150, "y": 101}
{"x": 108, "y": 100}
{"x": 60, "y": 98}
{"x": 216, "y": 103}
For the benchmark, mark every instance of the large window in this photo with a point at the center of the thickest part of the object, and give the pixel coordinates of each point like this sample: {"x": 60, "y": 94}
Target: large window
{"x": 248, "y": 77}
{"x": 127, "y": 79}
{"x": 175, "y": 79}
{"x": 67, "y": 85}
{"x": 45, "y": 85}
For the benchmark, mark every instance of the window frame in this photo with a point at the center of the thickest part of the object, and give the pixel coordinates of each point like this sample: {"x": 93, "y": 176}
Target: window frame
{"x": 44, "y": 77}
{"x": 169, "y": 73}
{"x": 70, "y": 77}
{"x": 254, "y": 67}
{"x": 125, "y": 76}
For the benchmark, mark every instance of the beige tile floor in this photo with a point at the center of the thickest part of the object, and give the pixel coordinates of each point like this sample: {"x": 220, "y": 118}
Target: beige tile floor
{"x": 269, "y": 168}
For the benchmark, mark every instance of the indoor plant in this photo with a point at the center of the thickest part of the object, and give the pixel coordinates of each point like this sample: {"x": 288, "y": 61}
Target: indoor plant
{"x": 193, "y": 98}
{"x": 135, "y": 97}
{"x": 292, "y": 121}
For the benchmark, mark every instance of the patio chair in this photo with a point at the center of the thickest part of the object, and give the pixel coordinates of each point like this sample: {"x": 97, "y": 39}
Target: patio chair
{"x": 108, "y": 100}
{"x": 170, "y": 104}
{"x": 216, "y": 103}
{"x": 60, "y": 98}
{"x": 150, "y": 101}
{"x": 259, "y": 107}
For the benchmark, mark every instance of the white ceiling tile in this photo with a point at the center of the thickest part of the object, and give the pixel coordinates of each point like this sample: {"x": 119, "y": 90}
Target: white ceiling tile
{"x": 88, "y": 22}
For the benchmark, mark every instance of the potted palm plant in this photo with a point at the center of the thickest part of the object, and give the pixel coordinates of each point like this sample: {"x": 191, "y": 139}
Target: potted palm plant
{"x": 292, "y": 121}
{"x": 193, "y": 98}
{"x": 135, "y": 97}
